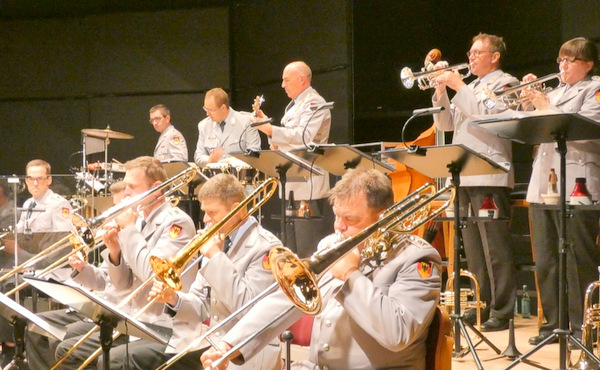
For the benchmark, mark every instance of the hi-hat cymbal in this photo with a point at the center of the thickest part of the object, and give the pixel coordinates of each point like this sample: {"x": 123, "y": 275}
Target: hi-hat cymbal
{"x": 105, "y": 133}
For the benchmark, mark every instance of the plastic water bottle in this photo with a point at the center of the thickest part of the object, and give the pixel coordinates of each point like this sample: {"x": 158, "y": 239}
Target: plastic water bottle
{"x": 525, "y": 304}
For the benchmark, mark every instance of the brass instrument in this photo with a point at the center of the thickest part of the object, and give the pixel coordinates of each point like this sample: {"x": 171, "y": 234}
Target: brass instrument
{"x": 140, "y": 201}
{"x": 298, "y": 278}
{"x": 447, "y": 297}
{"x": 511, "y": 97}
{"x": 591, "y": 322}
{"x": 170, "y": 270}
{"x": 427, "y": 79}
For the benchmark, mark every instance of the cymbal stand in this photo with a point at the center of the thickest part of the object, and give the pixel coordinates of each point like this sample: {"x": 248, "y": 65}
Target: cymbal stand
{"x": 457, "y": 317}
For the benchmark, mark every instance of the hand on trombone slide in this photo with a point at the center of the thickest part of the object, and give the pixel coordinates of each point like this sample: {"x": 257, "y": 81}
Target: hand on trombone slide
{"x": 213, "y": 354}
{"x": 163, "y": 292}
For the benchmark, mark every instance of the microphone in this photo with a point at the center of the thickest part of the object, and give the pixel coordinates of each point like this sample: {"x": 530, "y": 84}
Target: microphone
{"x": 316, "y": 107}
{"x": 425, "y": 111}
{"x": 259, "y": 123}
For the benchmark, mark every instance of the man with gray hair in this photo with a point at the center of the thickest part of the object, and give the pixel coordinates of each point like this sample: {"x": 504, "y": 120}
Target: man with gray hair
{"x": 374, "y": 316}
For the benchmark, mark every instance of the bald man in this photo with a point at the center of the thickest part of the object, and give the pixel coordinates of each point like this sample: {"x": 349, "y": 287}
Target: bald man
{"x": 301, "y": 126}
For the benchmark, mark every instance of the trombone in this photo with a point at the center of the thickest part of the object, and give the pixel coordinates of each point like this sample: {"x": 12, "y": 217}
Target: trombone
{"x": 298, "y": 278}
{"x": 511, "y": 97}
{"x": 171, "y": 270}
{"x": 87, "y": 238}
{"x": 427, "y": 79}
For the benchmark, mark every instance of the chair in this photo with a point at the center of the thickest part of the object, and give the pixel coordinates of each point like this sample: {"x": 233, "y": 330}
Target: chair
{"x": 440, "y": 342}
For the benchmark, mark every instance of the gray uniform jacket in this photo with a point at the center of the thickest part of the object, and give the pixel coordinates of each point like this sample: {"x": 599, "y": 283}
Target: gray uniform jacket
{"x": 168, "y": 229}
{"x": 371, "y": 321}
{"x": 211, "y": 137}
{"x": 96, "y": 278}
{"x": 583, "y": 157}
{"x": 299, "y": 121}
{"x": 226, "y": 282}
{"x": 171, "y": 146}
{"x": 468, "y": 102}
{"x": 54, "y": 214}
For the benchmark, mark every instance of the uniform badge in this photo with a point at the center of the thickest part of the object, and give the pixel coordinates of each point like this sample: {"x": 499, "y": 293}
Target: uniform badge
{"x": 176, "y": 140}
{"x": 265, "y": 262}
{"x": 425, "y": 269}
{"x": 598, "y": 95}
{"x": 65, "y": 212}
{"x": 175, "y": 231}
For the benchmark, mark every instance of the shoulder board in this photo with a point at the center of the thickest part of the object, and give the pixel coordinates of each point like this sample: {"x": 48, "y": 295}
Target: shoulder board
{"x": 268, "y": 236}
{"x": 419, "y": 242}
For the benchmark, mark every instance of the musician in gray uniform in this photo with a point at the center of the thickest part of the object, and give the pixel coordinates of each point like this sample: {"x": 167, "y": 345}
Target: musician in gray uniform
{"x": 171, "y": 145}
{"x": 162, "y": 231}
{"x": 578, "y": 93}
{"x": 488, "y": 245}
{"x": 231, "y": 274}
{"x": 223, "y": 131}
{"x": 39, "y": 348}
{"x": 45, "y": 212}
{"x": 374, "y": 315}
{"x": 301, "y": 126}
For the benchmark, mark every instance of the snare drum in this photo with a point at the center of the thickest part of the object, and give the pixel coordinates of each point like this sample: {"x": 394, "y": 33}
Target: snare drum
{"x": 212, "y": 169}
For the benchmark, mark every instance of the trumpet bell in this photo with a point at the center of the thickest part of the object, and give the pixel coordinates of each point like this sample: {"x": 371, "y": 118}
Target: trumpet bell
{"x": 296, "y": 280}
{"x": 407, "y": 77}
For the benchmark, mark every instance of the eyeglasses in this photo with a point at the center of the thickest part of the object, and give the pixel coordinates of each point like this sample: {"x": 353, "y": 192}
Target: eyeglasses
{"x": 477, "y": 53}
{"x": 33, "y": 180}
{"x": 567, "y": 59}
{"x": 156, "y": 119}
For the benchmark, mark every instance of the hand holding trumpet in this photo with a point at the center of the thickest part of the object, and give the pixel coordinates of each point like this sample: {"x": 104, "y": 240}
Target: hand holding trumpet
{"x": 533, "y": 95}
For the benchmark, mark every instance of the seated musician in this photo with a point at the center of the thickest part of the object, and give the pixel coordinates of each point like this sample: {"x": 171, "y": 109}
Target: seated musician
{"x": 161, "y": 231}
{"x": 374, "y": 316}
{"x": 45, "y": 212}
{"x": 231, "y": 274}
{"x": 223, "y": 131}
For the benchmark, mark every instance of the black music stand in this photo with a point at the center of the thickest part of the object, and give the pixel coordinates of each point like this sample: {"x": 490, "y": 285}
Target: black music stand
{"x": 283, "y": 166}
{"x": 539, "y": 128}
{"x": 19, "y": 316}
{"x": 103, "y": 313}
{"x": 438, "y": 161}
{"x": 337, "y": 159}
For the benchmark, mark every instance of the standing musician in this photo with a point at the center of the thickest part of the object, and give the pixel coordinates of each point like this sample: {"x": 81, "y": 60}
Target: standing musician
{"x": 301, "y": 126}
{"x": 223, "y": 131}
{"x": 39, "y": 348}
{"x": 171, "y": 145}
{"x": 578, "y": 93}
{"x": 231, "y": 274}
{"x": 44, "y": 212}
{"x": 374, "y": 316}
{"x": 161, "y": 231}
{"x": 488, "y": 245}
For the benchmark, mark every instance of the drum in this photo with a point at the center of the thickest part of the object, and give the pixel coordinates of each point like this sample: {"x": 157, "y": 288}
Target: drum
{"x": 247, "y": 175}
{"x": 212, "y": 169}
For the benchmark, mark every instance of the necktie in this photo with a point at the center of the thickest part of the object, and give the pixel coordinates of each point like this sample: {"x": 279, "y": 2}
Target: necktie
{"x": 222, "y": 125}
{"x": 226, "y": 245}
{"x": 290, "y": 106}
{"x": 30, "y": 209}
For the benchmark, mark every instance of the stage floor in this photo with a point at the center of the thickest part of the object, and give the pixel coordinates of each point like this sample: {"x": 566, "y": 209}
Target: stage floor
{"x": 545, "y": 358}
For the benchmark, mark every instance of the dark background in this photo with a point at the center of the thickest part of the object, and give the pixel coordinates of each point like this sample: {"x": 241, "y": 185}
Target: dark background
{"x": 67, "y": 66}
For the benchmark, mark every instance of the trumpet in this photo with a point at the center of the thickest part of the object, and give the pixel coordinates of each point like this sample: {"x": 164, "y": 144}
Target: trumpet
{"x": 511, "y": 97}
{"x": 447, "y": 297}
{"x": 298, "y": 278}
{"x": 427, "y": 79}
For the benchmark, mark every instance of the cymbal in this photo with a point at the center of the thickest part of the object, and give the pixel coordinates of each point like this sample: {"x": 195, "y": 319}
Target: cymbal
{"x": 105, "y": 133}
